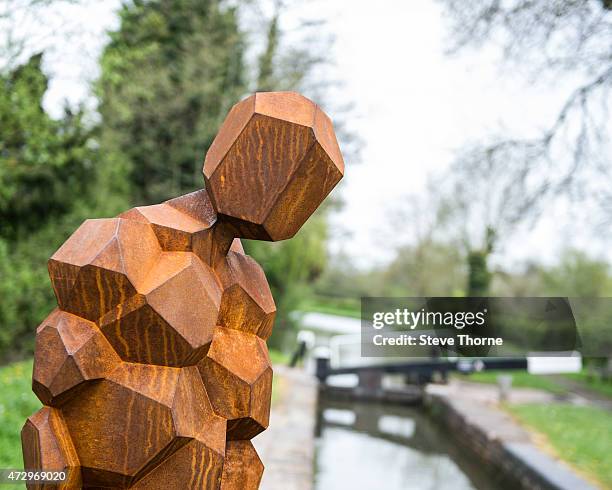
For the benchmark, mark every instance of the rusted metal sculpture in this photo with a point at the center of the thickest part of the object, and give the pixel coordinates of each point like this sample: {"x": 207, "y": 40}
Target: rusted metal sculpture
{"x": 154, "y": 370}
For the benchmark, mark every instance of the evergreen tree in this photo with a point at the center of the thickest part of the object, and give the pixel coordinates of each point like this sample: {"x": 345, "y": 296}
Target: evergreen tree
{"x": 44, "y": 163}
{"x": 46, "y": 173}
{"x": 168, "y": 77}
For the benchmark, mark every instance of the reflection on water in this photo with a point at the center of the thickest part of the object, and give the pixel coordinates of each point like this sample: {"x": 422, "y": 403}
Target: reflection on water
{"x": 368, "y": 446}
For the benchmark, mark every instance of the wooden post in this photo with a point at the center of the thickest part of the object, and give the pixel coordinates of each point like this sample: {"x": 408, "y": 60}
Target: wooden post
{"x": 154, "y": 369}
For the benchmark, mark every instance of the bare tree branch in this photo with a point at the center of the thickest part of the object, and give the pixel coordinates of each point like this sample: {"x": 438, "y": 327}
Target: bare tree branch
{"x": 546, "y": 39}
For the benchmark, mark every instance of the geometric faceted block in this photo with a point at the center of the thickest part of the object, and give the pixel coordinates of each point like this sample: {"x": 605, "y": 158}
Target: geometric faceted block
{"x": 118, "y": 450}
{"x": 170, "y": 322}
{"x": 272, "y": 163}
{"x": 197, "y": 205}
{"x": 47, "y": 446}
{"x": 185, "y": 224}
{"x": 246, "y": 303}
{"x": 154, "y": 370}
{"x": 193, "y": 466}
{"x": 101, "y": 265}
{"x": 106, "y": 424}
{"x": 69, "y": 352}
{"x": 237, "y": 374}
{"x": 193, "y": 414}
{"x": 174, "y": 230}
{"x": 212, "y": 245}
{"x": 139, "y": 334}
{"x": 199, "y": 462}
{"x": 242, "y": 469}
{"x": 237, "y": 247}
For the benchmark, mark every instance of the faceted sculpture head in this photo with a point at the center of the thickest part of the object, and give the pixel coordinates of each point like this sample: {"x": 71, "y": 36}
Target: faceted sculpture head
{"x": 272, "y": 163}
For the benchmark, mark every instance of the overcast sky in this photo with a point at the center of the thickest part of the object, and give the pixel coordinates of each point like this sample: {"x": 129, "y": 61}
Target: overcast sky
{"x": 413, "y": 106}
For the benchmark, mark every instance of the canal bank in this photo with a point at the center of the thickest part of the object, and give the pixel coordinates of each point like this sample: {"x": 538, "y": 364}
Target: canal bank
{"x": 476, "y": 422}
{"x": 287, "y": 447}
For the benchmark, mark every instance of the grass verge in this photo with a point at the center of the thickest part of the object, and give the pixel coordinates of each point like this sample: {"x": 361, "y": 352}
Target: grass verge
{"x": 520, "y": 379}
{"x": 278, "y": 357}
{"x": 593, "y": 383}
{"x": 17, "y": 402}
{"x": 350, "y": 307}
{"x": 579, "y": 435}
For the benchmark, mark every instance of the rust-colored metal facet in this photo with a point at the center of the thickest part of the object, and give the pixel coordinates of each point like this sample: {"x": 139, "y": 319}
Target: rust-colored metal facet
{"x": 154, "y": 370}
{"x": 70, "y": 351}
{"x": 242, "y": 469}
{"x": 246, "y": 303}
{"x": 47, "y": 444}
{"x": 238, "y": 376}
{"x": 273, "y": 162}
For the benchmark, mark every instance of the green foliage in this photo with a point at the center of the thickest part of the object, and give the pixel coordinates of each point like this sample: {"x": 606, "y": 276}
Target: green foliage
{"x": 46, "y": 173}
{"x": 169, "y": 75}
{"x": 479, "y": 276}
{"x": 265, "y": 78}
{"x": 521, "y": 379}
{"x": 17, "y": 402}
{"x": 578, "y": 275}
{"x": 579, "y": 435}
{"x": 340, "y": 306}
{"x": 26, "y": 299}
{"x": 26, "y": 296}
{"x": 342, "y": 281}
{"x": 44, "y": 163}
{"x": 575, "y": 275}
{"x": 291, "y": 267}
{"x": 592, "y": 381}
{"x": 278, "y": 357}
{"x": 428, "y": 269}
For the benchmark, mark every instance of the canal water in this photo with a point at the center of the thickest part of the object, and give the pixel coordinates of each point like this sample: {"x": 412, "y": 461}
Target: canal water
{"x": 365, "y": 446}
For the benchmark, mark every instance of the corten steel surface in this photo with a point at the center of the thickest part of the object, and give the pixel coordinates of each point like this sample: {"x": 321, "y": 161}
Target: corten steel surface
{"x": 154, "y": 369}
